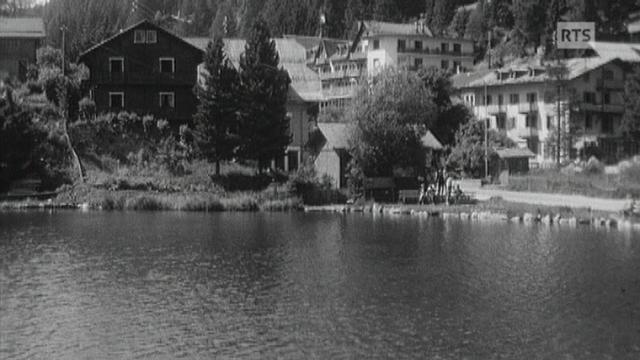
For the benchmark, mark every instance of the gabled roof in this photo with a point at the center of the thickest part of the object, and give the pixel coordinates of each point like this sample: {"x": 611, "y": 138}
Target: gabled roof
{"x": 22, "y": 28}
{"x": 431, "y": 142}
{"x": 304, "y": 81}
{"x": 134, "y": 26}
{"x": 576, "y": 67}
{"x": 336, "y": 135}
{"x": 381, "y": 28}
{"x": 623, "y": 51}
{"x": 510, "y": 153}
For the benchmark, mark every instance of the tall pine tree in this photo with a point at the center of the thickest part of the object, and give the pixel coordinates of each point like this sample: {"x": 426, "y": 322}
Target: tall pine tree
{"x": 217, "y": 116}
{"x": 264, "y": 126}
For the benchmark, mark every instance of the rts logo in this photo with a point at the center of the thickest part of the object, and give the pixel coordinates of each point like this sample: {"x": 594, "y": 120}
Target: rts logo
{"x": 575, "y": 35}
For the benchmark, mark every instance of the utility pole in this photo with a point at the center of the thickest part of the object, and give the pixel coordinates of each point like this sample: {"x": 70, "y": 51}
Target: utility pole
{"x": 486, "y": 134}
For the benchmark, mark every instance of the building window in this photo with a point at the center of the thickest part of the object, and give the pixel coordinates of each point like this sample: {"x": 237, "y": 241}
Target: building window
{"x": 418, "y": 45}
{"x": 292, "y": 156}
{"x": 607, "y": 125}
{"x": 139, "y": 37}
{"x": 376, "y": 44}
{"x": 444, "y": 47}
{"x": 514, "y": 98}
{"x": 501, "y": 121}
{"x": 444, "y": 64}
{"x": 532, "y": 120}
{"x": 608, "y": 75}
{"x": 402, "y": 44}
{"x": 500, "y": 100}
{"x": 116, "y": 100}
{"x": 457, "y": 48}
{"x": 456, "y": 66}
{"x": 588, "y": 122}
{"x": 167, "y": 65}
{"x": 589, "y": 97}
{"x": 531, "y": 98}
{"x": 152, "y": 37}
{"x": 167, "y": 100}
{"x": 488, "y": 100}
{"x": 417, "y": 62}
{"x": 116, "y": 65}
{"x": 606, "y": 98}
{"x": 549, "y": 122}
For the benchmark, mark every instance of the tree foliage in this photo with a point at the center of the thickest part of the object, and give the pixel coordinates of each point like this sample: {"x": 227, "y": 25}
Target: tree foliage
{"x": 264, "y": 126}
{"x": 388, "y": 120}
{"x": 469, "y": 152}
{"x": 631, "y": 118}
{"x": 217, "y": 119}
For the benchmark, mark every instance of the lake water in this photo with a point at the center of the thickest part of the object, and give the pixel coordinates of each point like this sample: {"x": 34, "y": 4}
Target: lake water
{"x": 120, "y": 285}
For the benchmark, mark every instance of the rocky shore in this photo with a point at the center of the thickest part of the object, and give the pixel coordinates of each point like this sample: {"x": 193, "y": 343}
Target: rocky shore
{"x": 544, "y": 216}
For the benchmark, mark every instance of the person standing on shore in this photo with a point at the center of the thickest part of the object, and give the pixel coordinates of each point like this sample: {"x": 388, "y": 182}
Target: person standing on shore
{"x": 440, "y": 181}
{"x": 449, "y": 187}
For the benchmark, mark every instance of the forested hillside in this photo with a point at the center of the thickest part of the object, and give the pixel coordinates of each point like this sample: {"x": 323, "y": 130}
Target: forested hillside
{"x": 517, "y": 26}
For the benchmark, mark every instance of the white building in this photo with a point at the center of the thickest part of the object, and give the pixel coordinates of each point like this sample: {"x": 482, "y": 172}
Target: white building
{"x": 521, "y": 100}
{"x": 412, "y": 46}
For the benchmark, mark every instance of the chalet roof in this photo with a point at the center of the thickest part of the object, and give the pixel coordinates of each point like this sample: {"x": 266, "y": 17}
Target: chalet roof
{"x": 132, "y": 27}
{"x": 431, "y": 142}
{"x": 528, "y": 70}
{"x": 510, "y": 153}
{"x": 381, "y": 28}
{"x": 22, "y": 28}
{"x": 336, "y": 134}
{"x": 623, "y": 51}
{"x": 304, "y": 81}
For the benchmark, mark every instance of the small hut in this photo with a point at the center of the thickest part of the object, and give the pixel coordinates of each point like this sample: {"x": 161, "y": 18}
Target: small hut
{"x": 512, "y": 161}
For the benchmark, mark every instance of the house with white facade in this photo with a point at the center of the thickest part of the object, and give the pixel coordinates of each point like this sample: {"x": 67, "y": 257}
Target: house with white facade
{"x": 412, "y": 46}
{"x": 527, "y": 102}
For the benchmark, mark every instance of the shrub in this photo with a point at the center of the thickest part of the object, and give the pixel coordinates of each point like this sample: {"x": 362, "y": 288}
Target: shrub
{"x": 34, "y": 86}
{"x": 594, "y": 166}
{"x": 87, "y": 109}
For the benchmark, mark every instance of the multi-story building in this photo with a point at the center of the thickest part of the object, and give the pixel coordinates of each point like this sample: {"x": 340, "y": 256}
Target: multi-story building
{"x": 144, "y": 69}
{"x": 412, "y": 46}
{"x": 19, "y": 40}
{"x": 340, "y": 65}
{"x": 526, "y": 101}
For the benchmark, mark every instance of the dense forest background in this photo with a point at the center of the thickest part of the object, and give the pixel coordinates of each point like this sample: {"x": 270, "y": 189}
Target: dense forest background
{"x": 516, "y": 26}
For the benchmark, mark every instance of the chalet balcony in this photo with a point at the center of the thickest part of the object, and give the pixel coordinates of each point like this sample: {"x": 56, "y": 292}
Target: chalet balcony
{"x": 435, "y": 52}
{"x": 339, "y": 92}
{"x": 617, "y": 85}
{"x": 527, "y": 107}
{"x": 601, "y": 108}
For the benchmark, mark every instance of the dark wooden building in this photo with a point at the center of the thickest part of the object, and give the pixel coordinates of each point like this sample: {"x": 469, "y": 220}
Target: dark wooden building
{"x": 144, "y": 69}
{"x": 19, "y": 40}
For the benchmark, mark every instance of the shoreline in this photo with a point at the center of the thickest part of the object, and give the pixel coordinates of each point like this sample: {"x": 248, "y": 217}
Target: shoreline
{"x": 493, "y": 209}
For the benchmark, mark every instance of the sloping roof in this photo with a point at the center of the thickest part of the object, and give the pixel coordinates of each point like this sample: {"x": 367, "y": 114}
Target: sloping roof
{"x": 304, "y": 81}
{"x": 21, "y": 28}
{"x": 468, "y": 7}
{"x": 633, "y": 27}
{"x": 509, "y": 153}
{"x": 143, "y": 22}
{"x": 622, "y": 51}
{"x": 575, "y": 66}
{"x": 336, "y": 134}
{"x": 431, "y": 142}
{"x": 372, "y": 28}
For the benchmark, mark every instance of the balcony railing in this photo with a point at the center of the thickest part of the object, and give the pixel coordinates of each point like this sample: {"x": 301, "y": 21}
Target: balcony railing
{"x": 339, "y": 91}
{"x": 527, "y": 107}
{"x": 435, "y": 51}
{"x": 526, "y": 132}
{"x": 610, "y": 85}
{"x": 603, "y": 108}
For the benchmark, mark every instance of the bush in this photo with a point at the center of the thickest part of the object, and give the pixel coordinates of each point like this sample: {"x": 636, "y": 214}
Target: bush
{"x": 87, "y": 109}
{"x": 594, "y": 166}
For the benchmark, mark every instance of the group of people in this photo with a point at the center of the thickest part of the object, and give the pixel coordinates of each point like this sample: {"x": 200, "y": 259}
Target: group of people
{"x": 440, "y": 186}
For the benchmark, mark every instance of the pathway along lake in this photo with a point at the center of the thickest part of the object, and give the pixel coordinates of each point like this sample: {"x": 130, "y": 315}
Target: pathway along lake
{"x": 119, "y": 285}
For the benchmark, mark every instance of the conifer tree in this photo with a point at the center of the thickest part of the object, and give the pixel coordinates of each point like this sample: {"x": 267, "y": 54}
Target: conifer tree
{"x": 631, "y": 119}
{"x": 386, "y": 10}
{"x": 443, "y": 11}
{"x": 217, "y": 116}
{"x": 264, "y": 126}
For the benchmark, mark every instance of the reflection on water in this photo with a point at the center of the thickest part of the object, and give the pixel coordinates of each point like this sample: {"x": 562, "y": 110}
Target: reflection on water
{"x": 171, "y": 285}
